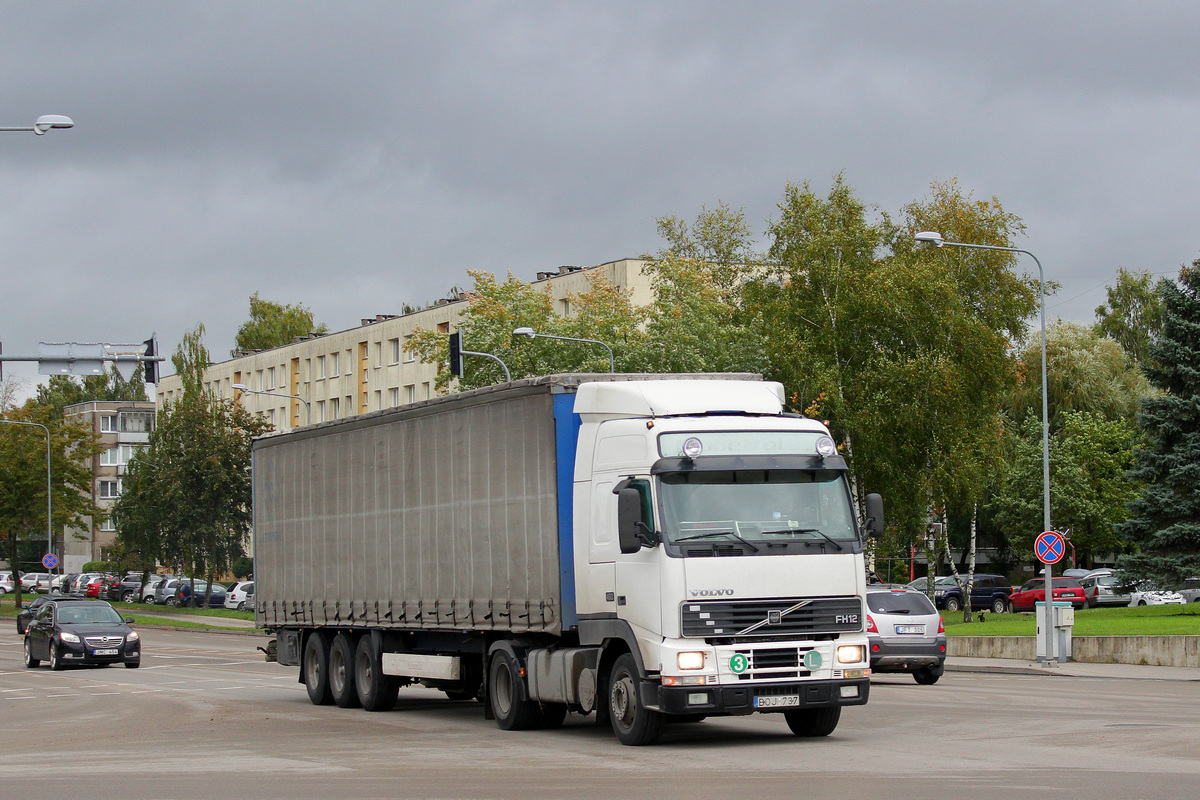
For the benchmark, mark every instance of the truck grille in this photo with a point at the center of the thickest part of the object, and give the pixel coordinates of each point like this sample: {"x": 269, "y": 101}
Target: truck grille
{"x": 772, "y": 664}
{"x": 777, "y": 617}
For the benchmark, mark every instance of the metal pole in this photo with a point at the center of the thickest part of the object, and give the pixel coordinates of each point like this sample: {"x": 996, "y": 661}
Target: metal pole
{"x": 1050, "y": 616}
{"x": 307, "y": 410}
{"x": 49, "y": 518}
{"x": 612, "y": 362}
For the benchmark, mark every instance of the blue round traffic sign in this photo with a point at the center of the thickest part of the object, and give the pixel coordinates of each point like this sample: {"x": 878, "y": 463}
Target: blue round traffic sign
{"x": 49, "y": 561}
{"x": 1050, "y": 547}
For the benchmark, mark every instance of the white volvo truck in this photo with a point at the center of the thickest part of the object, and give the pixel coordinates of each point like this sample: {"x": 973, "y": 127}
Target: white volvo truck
{"x": 649, "y": 548}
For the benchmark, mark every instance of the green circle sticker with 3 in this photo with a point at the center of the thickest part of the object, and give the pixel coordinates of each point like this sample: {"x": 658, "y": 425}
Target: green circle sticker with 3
{"x": 739, "y": 663}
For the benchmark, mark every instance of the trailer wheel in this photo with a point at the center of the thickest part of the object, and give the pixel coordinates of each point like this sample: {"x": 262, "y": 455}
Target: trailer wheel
{"x": 813, "y": 721}
{"x": 341, "y": 671}
{"x": 633, "y": 723}
{"x": 376, "y": 691}
{"x": 316, "y": 669}
{"x": 506, "y": 693}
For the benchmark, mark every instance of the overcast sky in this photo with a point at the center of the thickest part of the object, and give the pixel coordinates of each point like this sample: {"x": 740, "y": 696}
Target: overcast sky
{"x": 355, "y": 156}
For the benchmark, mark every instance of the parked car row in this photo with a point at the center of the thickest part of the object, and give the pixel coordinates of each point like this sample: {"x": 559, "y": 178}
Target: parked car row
{"x": 161, "y": 589}
{"x": 988, "y": 592}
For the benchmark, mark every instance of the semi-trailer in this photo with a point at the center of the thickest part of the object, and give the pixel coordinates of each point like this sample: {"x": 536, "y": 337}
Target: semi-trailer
{"x": 645, "y": 547}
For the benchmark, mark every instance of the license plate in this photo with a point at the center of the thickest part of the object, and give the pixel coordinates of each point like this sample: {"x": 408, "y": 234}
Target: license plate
{"x": 777, "y": 701}
{"x": 917, "y": 629}
{"x": 110, "y": 651}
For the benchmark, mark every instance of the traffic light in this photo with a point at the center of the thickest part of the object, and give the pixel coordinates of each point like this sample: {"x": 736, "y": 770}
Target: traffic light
{"x": 456, "y": 359}
{"x": 150, "y": 365}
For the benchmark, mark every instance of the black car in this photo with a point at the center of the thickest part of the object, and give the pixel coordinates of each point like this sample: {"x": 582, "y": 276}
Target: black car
{"x": 72, "y": 631}
{"x": 28, "y": 612}
{"x": 989, "y": 592}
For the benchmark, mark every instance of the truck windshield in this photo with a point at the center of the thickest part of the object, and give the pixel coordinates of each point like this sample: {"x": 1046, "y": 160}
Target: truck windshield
{"x": 758, "y": 509}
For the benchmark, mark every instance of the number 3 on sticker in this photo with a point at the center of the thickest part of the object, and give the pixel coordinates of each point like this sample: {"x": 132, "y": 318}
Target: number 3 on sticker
{"x": 738, "y": 663}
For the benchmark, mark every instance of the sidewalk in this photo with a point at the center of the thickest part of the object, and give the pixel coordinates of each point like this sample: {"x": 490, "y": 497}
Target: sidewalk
{"x": 1071, "y": 669}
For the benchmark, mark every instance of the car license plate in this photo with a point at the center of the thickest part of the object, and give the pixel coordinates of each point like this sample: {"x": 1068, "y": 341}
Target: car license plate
{"x": 109, "y": 651}
{"x": 777, "y": 701}
{"x": 917, "y": 629}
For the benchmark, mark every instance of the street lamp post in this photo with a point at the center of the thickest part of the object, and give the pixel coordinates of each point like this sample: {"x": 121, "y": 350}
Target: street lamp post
{"x": 49, "y": 520}
{"x": 241, "y": 387}
{"x": 44, "y": 123}
{"x": 937, "y": 240}
{"x": 612, "y": 364}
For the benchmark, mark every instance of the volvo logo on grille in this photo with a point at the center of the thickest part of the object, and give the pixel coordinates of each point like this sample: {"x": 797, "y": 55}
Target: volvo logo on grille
{"x": 774, "y": 617}
{"x": 712, "y": 592}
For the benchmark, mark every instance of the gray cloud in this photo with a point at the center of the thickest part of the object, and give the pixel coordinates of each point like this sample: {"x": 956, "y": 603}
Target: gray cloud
{"x": 357, "y": 156}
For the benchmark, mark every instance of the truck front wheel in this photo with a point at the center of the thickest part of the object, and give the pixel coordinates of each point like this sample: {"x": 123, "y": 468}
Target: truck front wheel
{"x": 633, "y": 723}
{"x": 510, "y": 706}
{"x": 316, "y": 669}
{"x": 813, "y": 721}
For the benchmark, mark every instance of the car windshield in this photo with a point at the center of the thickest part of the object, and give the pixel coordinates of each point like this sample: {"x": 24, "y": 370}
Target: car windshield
{"x": 758, "y": 506}
{"x": 90, "y": 613}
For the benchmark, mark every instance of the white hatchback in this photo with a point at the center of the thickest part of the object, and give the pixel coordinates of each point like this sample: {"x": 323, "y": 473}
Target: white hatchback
{"x": 238, "y": 595}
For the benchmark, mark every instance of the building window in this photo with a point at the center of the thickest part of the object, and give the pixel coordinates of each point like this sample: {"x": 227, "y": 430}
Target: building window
{"x": 394, "y": 350}
{"x": 136, "y": 422}
{"x": 108, "y": 424}
{"x": 443, "y": 327}
{"x": 333, "y": 365}
{"x": 409, "y": 355}
{"x": 393, "y": 397}
{"x": 378, "y": 354}
{"x": 111, "y": 457}
{"x": 566, "y": 307}
{"x": 378, "y": 399}
{"x": 425, "y": 389}
{"x": 333, "y": 407}
{"x": 410, "y": 393}
{"x": 320, "y": 411}
{"x": 107, "y": 525}
{"x": 270, "y": 378}
{"x": 109, "y": 490}
{"x": 320, "y": 367}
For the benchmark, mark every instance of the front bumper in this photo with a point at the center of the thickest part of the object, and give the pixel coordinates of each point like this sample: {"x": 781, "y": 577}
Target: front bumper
{"x": 748, "y": 698}
{"x": 80, "y": 653}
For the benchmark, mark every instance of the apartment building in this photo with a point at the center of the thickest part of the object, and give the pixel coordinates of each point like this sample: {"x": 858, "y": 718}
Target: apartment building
{"x": 366, "y": 368}
{"x": 123, "y": 426}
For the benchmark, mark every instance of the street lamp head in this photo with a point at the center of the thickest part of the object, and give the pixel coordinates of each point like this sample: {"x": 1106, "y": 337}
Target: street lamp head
{"x": 530, "y": 332}
{"x": 48, "y": 121}
{"x": 241, "y": 387}
{"x": 930, "y": 237}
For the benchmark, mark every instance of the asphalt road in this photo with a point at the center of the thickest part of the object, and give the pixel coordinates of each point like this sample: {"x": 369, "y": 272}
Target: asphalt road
{"x": 206, "y": 717}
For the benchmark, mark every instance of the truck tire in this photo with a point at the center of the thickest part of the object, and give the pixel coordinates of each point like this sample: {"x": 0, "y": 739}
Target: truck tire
{"x": 316, "y": 669}
{"x": 511, "y": 706}
{"x": 376, "y": 691}
{"x": 633, "y": 724}
{"x": 813, "y": 721}
{"x": 341, "y": 671}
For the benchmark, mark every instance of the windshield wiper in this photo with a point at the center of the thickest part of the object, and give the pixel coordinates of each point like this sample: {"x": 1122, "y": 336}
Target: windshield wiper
{"x": 817, "y": 531}
{"x": 718, "y": 533}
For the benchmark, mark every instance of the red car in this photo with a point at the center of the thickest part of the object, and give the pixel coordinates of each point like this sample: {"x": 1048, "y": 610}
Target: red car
{"x": 98, "y": 586}
{"x": 1034, "y": 591}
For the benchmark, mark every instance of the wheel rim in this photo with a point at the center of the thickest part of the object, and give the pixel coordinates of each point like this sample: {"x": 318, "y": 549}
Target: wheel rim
{"x": 53, "y": 656}
{"x": 623, "y": 705}
{"x": 28, "y": 652}
{"x": 337, "y": 670}
{"x": 312, "y": 671}
{"x": 503, "y": 689}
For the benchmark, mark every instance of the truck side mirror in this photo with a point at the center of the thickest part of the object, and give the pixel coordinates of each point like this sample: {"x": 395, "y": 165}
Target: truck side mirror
{"x": 631, "y": 525}
{"x": 874, "y": 516}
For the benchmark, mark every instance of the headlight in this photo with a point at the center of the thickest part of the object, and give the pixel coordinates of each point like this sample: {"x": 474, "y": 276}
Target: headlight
{"x": 67, "y": 636}
{"x": 851, "y": 654}
{"x": 132, "y": 637}
{"x": 690, "y": 660}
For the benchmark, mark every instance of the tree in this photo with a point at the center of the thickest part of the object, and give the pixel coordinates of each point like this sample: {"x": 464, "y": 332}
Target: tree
{"x": 187, "y": 495}
{"x": 696, "y": 323}
{"x": 65, "y": 390}
{"x": 1090, "y": 456}
{"x": 1164, "y": 521}
{"x": 272, "y": 325}
{"x": 1084, "y": 372}
{"x": 1133, "y": 315}
{"x": 23, "y": 476}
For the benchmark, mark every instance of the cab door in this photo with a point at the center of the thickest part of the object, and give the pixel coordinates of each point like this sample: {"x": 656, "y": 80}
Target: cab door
{"x": 638, "y": 581}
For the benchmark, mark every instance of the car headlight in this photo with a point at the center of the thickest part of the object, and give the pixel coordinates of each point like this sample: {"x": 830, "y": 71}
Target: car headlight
{"x": 690, "y": 660}
{"x": 851, "y": 654}
{"x": 67, "y": 636}
{"x": 132, "y": 637}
